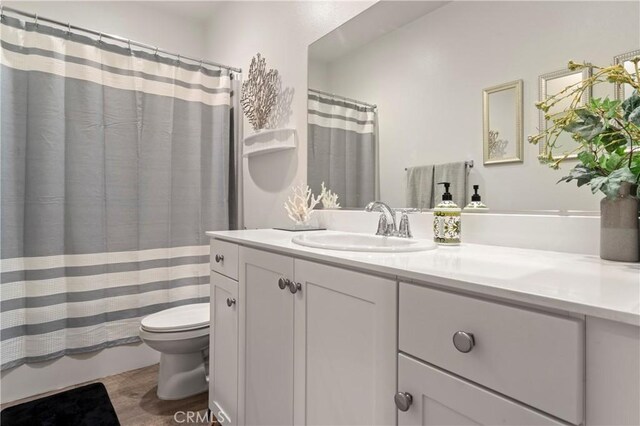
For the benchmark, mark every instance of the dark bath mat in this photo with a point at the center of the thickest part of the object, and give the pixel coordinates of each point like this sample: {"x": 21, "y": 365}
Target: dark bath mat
{"x": 87, "y": 406}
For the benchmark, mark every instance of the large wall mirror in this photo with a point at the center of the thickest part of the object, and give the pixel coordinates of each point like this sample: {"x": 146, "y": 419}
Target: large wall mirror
{"x": 395, "y": 101}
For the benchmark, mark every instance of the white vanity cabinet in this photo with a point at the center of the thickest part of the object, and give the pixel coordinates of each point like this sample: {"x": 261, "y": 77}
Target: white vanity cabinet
{"x": 318, "y": 345}
{"x": 310, "y": 341}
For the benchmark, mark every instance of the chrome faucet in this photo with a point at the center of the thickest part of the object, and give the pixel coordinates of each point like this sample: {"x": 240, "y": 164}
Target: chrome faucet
{"x": 404, "y": 229}
{"x": 387, "y": 222}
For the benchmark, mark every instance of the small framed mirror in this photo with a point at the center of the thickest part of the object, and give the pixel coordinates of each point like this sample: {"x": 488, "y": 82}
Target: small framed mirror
{"x": 623, "y": 91}
{"x": 502, "y": 117}
{"x": 551, "y": 84}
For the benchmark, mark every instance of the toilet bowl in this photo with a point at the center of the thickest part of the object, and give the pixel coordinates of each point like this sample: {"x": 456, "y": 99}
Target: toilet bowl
{"x": 181, "y": 335}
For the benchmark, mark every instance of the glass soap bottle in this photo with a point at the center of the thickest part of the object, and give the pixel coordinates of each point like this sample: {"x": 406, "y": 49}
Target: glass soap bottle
{"x": 446, "y": 219}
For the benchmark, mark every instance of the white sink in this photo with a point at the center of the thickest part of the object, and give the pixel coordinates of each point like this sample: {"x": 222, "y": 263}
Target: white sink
{"x": 361, "y": 242}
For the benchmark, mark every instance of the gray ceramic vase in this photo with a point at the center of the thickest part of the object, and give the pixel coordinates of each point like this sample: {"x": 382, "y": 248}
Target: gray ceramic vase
{"x": 619, "y": 238}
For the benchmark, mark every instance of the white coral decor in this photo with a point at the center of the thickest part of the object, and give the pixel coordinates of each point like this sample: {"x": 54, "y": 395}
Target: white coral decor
{"x": 301, "y": 206}
{"x": 329, "y": 199}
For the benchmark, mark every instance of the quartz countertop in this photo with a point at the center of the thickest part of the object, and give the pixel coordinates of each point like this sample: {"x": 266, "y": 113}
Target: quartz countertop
{"x": 575, "y": 283}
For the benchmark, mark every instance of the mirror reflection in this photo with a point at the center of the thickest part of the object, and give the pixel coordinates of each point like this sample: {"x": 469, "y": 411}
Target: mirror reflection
{"x": 503, "y": 123}
{"x": 551, "y": 84}
{"x": 396, "y": 100}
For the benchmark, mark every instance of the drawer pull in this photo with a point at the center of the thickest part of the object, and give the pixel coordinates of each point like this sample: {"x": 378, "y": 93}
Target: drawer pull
{"x": 294, "y": 287}
{"x": 403, "y": 400}
{"x": 230, "y": 302}
{"x": 283, "y": 283}
{"x": 219, "y": 258}
{"x": 463, "y": 341}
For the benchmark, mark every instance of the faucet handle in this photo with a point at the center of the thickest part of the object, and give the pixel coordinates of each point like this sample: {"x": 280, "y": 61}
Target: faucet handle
{"x": 404, "y": 230}
{"x": 382, "y": 225}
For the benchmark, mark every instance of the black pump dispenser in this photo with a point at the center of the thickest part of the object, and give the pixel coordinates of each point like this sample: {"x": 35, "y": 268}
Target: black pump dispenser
{"x": 476, "y": 196}
{"x": 447, "y": 195}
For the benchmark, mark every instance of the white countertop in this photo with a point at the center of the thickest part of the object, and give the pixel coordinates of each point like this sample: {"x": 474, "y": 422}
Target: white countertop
{"x": 575, "y": 283}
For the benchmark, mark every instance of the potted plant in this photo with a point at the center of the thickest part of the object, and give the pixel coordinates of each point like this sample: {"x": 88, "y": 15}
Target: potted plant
{"x": 607, "y": 133}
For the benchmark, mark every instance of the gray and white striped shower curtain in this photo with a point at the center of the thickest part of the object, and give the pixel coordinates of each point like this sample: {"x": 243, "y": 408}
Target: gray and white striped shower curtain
{"x": 341, "y": 149}
{"x": 114, "y": 163}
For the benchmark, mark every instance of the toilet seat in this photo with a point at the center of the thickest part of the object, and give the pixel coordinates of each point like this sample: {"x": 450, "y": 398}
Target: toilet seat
{"x": 178, "y": 319}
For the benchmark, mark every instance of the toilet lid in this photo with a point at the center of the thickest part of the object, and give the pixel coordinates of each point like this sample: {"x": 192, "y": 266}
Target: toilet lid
{"x": 181, "y": 318}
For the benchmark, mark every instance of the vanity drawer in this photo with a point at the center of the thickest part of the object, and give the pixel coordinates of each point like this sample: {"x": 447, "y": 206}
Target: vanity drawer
{"x": 224, "y": 258}
{"x": 532, "y": 357}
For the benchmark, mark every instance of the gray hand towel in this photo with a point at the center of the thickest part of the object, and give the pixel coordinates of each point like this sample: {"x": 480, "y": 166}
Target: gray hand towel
{"x": 456, "y": 174}
{"x": 420, "y": 187}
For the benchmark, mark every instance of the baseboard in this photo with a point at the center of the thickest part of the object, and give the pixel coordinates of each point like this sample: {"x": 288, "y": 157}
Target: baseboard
{"x": 33, "y": 379}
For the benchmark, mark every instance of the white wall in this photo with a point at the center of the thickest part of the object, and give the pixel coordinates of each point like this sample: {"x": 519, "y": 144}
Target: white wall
{"x": 427, "y": 80}
{"x": 280, "y": 31}
{"x": 140, "y": 22}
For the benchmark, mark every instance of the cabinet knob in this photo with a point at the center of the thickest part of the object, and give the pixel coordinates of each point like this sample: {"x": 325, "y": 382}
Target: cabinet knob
{"x": 294, "y": 287}
{"x": 403, "y": 400}
{"x": 230, "y": 302}
{"x": 219, "y": 258}
{"x": 463, "y": 341}
{"x": 283, "y": 283}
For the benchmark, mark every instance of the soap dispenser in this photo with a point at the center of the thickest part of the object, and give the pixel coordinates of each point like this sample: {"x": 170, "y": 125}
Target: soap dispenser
{"x": 446, "y": 219}
{"x": 476, "y": 204}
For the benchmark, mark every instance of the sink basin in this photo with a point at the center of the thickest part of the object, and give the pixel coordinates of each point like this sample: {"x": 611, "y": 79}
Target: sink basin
{"x": 361, "y": 242}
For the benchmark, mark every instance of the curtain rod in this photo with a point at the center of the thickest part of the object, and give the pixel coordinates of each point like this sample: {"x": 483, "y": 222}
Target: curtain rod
{"x": 129, "y": 42}
{"x": 343, "y": 98}
{"x": 469, "y": 164}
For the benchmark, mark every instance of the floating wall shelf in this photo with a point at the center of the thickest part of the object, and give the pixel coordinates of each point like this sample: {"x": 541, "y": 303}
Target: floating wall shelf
{"x": 269, "y": 140}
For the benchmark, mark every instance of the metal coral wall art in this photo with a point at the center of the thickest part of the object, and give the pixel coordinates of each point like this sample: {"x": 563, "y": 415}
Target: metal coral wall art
{"x": 259, "y": 92}
{"x": 497, "y": 147}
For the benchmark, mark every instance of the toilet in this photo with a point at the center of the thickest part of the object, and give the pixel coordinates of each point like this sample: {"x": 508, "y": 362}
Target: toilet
{"x": 181, "y": 335}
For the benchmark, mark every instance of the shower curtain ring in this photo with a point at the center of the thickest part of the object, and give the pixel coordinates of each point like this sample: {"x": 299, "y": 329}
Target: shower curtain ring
{"x": 1, "y": 11}
{"x": 156, "y": 52}
{"x": 100, "y": 38}
{"x": 36, "y": 21}
{"x": 69, "y": 29}
{"x": 129, "y": 44}
{"x": 201, "y": 61}
{"x": 178, "y": 58}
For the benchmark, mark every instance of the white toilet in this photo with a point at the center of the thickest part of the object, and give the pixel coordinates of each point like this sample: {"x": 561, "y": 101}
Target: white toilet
{"x": 181, "y": 335}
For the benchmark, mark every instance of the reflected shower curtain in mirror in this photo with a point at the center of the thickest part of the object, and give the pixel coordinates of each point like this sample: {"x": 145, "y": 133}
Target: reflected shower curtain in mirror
{"x": 114, "y": 164}
{"x": 342, "y": 149}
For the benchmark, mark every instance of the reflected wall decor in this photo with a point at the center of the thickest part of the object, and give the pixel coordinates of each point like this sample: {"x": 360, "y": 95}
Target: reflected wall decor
{"x": 623, "y": 91}
{"x": 551, "y": 84}
{"x": 502, "y": 123}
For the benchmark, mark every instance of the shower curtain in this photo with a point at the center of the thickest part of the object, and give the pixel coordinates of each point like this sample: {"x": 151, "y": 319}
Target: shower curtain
{"x": 341, "y": 149}
{"x": 114, "y": 162}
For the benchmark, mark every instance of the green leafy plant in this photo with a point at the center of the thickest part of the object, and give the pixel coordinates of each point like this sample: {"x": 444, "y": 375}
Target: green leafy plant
{"x": 607, "y": 131}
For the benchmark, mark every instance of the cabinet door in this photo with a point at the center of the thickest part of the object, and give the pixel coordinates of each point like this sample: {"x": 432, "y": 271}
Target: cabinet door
{"x": 346, "y": 346}
{"x": 441, "y": 399}
{"x": 266, "y": 333}
{"x": 223, "y": 364}
{"x": 613, "y": 373}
